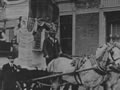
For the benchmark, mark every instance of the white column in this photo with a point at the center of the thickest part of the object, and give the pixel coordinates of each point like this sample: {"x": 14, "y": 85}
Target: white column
{"x": 102, "y": 28}
{"x": 73, "y": 29}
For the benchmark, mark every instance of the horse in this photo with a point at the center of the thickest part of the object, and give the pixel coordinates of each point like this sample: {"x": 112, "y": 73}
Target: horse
{"x": 113, "y": 81}
{"x": 88, "y": 79}
{"x": 111, "y": 56}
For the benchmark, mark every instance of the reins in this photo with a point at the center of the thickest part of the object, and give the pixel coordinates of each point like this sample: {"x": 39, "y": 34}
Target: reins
{"x": 78, "y": 65}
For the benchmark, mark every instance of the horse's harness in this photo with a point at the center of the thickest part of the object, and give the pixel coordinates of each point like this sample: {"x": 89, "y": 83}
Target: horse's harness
{"x": 79, "y": 64}
{"x": 111, "y": 54}
{"x": 100, "y": 70}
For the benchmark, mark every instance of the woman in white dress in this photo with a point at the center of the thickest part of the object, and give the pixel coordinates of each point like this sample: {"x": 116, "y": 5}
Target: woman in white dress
{"x": 25, "y": 41}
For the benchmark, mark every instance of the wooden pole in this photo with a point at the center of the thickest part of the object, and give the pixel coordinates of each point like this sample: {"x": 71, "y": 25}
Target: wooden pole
{"x": 61, "y": 74}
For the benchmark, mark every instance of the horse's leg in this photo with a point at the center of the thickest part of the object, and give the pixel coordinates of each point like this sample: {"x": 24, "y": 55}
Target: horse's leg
{"x": 66, "y": 87}
{"x": 108, "y": 86}
{"x": 75, "y": 87}
{"x": 44, "y": 88}
{"x": 55, "y": 88}
{"x": 105, "y": 86}
{"x": 113, "y": 86}
{"x": 114, "y": 81}
{"x": 96, "y": 88}
{"x": 56, "y": 84}
{"x": 18, "y": 86}
{"x": 87, "y": 88}
{"x": 28, "y": 85}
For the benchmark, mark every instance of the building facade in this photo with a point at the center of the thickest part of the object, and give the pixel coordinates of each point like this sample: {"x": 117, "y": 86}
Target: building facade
{"x": 10, "y": 11}
{"x": 85, "y": 25}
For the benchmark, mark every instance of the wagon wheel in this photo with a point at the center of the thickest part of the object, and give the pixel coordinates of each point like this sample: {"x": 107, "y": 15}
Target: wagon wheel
{"x": 18, "y": 86}
{"x": 39, "y": 86}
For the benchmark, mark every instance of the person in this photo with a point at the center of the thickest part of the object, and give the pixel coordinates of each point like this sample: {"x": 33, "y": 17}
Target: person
{"x": 117, "y": 41}
{"x": 102, "y": 54}
{"x": 113, "y": 42}
{"x": 117, "y": 44}
{"x": 3, "y": 39}
{"x": 8, "y": 75}
{"x": 14, "y": 48}
{"x": 51, "y": 47}
{"x": 2, "y": 36}
{"x": 17, "y": 28}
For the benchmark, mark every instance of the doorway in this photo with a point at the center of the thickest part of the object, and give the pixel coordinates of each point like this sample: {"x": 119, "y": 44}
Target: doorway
{"x": 66, "y": 34}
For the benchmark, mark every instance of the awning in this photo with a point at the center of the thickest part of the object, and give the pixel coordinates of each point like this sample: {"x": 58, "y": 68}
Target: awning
{"x": 15, "y": 9}
{"x": 45, "y": 9}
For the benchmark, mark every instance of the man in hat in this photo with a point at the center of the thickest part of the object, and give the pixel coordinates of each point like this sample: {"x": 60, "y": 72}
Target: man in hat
{"x": 102, "y": 53}
{"x": 8, "y": 75}
{"x": 51, "y": 47}
{"x": 117, "y": 44}
{"x": 117, "y": 41}
{"x": 114, "y": 41}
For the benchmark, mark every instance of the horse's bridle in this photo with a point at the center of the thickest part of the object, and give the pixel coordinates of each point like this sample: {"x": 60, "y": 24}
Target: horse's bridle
{"x": 111, "y": 54}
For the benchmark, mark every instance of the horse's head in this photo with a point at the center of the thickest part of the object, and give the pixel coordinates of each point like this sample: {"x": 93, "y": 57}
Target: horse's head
{"x": 108, "y": 55}
{"x": 103, "y": 56}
